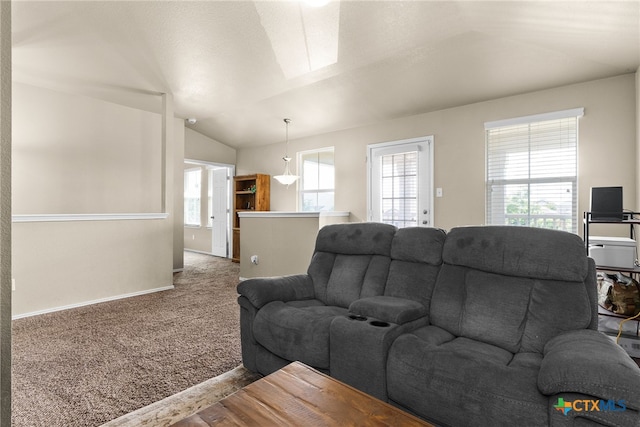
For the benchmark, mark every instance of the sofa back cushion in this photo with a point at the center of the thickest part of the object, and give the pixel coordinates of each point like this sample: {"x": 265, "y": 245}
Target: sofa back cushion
{"x": 416, "y": 256}
{"x": 351, "y": 261}
{"x": 513, "y": 287}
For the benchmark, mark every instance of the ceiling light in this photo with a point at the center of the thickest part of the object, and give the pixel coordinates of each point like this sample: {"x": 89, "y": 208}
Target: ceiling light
{"x": 287, "y": 178}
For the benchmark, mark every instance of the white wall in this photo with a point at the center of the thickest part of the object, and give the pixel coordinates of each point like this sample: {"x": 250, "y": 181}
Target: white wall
{"x": 203, "y": 148}
{"x": 178, "y": 195}
{"x": 283, "y": 243}
{"x": 74, "y": 154}
{"x": 78, "y": 155}
{"x": 606, "y": 149}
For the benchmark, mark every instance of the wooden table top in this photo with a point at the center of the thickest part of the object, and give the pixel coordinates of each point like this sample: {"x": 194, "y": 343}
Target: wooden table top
{"x": 298, "y": 395}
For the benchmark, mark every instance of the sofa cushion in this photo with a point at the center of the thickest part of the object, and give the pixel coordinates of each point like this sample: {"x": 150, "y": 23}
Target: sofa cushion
{"x": 418, "y": 244}
{"x": 454, "y": 381}
{"x": 515, "y": 313}
{"x": 508, "y": 250}
{"x": 416, "y": 256}
{"x": 499, "y": 285}
{"x": 356, "y": 276}
{"x": 366, "y": 238}
{"x": 297, "y": 330}
{"x": 350, "y": 261}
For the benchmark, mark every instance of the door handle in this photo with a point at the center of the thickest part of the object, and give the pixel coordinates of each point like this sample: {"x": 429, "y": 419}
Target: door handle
{"x": 213, "y": 217}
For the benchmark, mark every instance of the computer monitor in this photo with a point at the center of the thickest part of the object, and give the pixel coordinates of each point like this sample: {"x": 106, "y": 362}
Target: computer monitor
{"x": 606, "y": 204}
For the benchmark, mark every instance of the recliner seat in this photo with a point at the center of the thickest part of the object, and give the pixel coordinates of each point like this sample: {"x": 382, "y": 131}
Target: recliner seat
{"x": 478, "y": 326}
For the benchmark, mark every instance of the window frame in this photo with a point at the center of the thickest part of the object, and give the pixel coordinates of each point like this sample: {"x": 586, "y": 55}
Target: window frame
{"x": 513, "y": 146}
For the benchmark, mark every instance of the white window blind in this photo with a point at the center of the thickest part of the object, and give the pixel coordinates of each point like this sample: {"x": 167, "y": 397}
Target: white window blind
{"x": 399, "y": 189}
{"x": 532, "y": 171}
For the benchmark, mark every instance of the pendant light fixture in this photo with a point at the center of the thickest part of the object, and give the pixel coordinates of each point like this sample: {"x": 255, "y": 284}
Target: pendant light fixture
{"x": 287, "y": 178}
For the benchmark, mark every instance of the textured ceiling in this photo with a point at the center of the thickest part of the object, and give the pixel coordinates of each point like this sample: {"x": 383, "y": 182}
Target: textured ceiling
{"x": 240, "y": 67}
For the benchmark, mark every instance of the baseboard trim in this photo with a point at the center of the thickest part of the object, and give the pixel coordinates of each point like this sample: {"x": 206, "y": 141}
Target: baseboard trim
{"x": 97, "y": 301}
{"x": 203, "y": 253}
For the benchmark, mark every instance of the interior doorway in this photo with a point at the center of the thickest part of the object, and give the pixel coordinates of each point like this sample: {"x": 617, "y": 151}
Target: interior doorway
{"x": 212, "y": 234}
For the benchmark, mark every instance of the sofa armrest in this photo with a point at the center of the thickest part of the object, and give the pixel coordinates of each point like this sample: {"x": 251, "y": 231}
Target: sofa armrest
{"x": 589, "y": 362}
{"x": 262, "y": 290}
{"x": 388, "y": 309}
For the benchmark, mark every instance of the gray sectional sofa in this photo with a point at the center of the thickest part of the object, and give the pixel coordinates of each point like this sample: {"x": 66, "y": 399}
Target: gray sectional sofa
{"x": 480, "y": 326}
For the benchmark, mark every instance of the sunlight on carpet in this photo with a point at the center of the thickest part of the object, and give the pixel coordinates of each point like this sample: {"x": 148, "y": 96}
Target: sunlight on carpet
{"x": 188, "y": 402}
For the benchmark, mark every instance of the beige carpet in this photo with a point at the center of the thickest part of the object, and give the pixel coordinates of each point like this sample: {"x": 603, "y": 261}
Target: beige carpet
{"x": 186, "y": 403}
{"x": 86, "y": 366}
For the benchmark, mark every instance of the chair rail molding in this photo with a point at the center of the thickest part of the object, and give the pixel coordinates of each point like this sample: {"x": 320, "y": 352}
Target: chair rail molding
{"x": 87, "y": 217}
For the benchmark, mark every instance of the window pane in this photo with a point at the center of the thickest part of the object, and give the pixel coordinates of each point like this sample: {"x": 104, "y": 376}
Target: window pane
{"x": 309, "y": 201}
{"x": 310, "y": 175}
{"x": 325, "y": 201}
{"x": 411, "y": 164}
{"x": 399, "y": 189}
{"x": 192, "y": 196}
{"x": 326, "y": 172}
{"x": 387, "y": 166}
{"x": 532, "y": 174}
{"x": 317, "y": 180}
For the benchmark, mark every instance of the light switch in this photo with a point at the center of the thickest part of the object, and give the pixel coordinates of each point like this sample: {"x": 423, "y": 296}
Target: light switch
{"x": 438, "y": 192}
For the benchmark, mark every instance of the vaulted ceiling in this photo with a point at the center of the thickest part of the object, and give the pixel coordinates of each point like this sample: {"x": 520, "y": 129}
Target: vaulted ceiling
{"x": 240, "y": 67}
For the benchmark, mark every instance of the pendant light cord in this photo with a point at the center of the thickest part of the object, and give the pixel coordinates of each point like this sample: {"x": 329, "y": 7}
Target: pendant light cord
{"x": 286, "y": 150}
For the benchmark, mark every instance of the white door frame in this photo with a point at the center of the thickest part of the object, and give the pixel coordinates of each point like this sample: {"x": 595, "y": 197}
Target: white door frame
{"x": 426, "y": 180}
{"x": 231, "y": 173}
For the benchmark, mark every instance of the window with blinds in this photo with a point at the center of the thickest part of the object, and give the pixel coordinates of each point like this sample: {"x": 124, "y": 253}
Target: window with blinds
{"x": 400, "y": 189}
{"x": 532, "y": 171}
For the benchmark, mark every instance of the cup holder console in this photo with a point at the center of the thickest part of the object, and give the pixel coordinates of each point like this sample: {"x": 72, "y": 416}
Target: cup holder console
{"x": 379, "y": 323}
{"x": 376, "y": 323}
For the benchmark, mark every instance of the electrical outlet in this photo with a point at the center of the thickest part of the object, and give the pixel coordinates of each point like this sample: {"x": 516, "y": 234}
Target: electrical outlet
{"x": 438, "y": 192}
{"x": 254, "y": 259}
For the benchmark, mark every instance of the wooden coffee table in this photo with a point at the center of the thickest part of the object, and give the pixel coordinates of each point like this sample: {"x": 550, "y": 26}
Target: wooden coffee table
{"x": 298, "y": 395}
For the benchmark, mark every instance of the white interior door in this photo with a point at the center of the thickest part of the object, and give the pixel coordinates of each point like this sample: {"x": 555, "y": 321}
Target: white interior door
{"x": 400, "y": 182}
{"x": 219, "y": 187}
